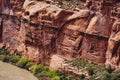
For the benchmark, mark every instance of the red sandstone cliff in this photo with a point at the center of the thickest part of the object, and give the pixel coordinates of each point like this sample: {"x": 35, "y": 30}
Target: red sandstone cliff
{"x": 40, "y": 30}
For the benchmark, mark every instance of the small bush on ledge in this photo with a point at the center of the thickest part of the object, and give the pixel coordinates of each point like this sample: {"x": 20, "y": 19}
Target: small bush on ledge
{"x": 14, "y": 58}
{"x": 29, "y": 64}
{"x": 37, "y": 69}
{"x": 22, "y": 62}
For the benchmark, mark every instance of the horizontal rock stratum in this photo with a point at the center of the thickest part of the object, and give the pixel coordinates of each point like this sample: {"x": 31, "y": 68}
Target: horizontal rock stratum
{"x": 37, "y": 30}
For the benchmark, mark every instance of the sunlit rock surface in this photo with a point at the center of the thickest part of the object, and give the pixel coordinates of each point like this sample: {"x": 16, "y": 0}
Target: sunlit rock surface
{"x": 40, "y": 30}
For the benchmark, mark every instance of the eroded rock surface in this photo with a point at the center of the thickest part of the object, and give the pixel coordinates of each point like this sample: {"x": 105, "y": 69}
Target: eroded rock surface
{"x": 38, "y": 30}
{"x": 113, "y": 51}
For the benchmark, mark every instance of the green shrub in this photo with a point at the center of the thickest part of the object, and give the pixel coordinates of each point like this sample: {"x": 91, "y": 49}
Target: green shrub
{"x": 56, "y": 78}
{"x": 22, "y": 62}
{"x": 37, "y": 69}
{"x": 52, "y": 73}
{"x": 3, "y": 51}
{"x": 41, "y": 74}
{"x": 14, "y": 58}
{"x": 90, "y": 71}
{"x": 63, "y": 77}
{"x": 115, "y": 75}
{"x": 4, "y": 55}
{"x": 80, "y": 63}
{"x": 106, "y": 76}
{"x": 29, "y": 64}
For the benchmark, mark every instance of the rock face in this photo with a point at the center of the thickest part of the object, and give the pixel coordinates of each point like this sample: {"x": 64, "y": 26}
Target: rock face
{"x": 38, "y": 30}
{"x": 112, "y": 54}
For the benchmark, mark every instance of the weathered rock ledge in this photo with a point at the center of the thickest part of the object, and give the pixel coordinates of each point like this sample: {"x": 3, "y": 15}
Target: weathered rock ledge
{"x": 38, "y": 30}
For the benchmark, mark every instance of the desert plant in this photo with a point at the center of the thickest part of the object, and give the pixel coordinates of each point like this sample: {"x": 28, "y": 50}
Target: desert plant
{"x": 14, "y": 58}
{"x": 41, "y": 74}
{"x": 56, "y": 78}
{"x": 52, "y": 73}
{"x": 37, "y": 69}
{"x": 3, "y": 51}
{"x": 72, "y": 4}
{"x": 22, "y": 62}
{"x": 90, "y": 71}
{"x": 29, "y": 64}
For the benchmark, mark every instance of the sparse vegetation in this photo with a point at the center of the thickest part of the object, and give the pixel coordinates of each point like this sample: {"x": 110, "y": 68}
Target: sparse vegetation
{"x": 96, "y": 72}
{"x": 37, "y": 69}
{"x": 3, "y": 51}
{"x": 14, "y": 58}
{"x": 22, "y": 62}
{"x": 72, "y": 4}
{"x": 29, "y": 64}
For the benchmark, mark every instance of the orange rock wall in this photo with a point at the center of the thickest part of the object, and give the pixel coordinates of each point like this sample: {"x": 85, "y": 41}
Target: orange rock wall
{"x": 38, "y": 30}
